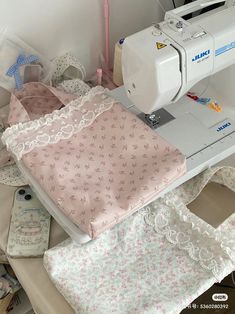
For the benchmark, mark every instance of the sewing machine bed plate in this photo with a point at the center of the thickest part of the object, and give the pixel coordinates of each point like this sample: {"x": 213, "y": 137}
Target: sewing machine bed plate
{"x": 193, "y": 131}
{"x": 203, "y": 135}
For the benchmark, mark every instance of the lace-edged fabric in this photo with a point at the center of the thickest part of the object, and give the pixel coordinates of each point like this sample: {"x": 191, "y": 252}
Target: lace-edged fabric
{"x": 11, "y": 175}
{"x": 75, "y": 86}
{"x": 211, "y": 248}
{"x": 221, "y": 175}
{"x": 61, "y": 124}
{"x": 175, "y": 257}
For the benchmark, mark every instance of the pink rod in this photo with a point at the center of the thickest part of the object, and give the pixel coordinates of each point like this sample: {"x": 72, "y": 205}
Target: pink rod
{"x": 107, "y": 33}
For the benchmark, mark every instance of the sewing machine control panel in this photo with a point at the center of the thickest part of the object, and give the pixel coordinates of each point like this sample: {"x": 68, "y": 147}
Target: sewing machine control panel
{"x": 181, "y": 31}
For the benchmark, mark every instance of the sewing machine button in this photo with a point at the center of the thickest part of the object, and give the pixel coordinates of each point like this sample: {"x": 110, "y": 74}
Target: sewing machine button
{"x": 199, "y": 34}
{"x": 179, "y": 25}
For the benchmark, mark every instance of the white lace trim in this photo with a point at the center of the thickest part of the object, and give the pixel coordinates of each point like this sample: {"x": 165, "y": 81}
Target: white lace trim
{"x": 13, "y": 137}
{"x": 11, "y": 175}
{"x": 75, "y": 86}
{"x": 204, "y": 244}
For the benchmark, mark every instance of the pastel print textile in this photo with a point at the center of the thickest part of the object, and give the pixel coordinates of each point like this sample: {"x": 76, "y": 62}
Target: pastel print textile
{"x": 221, "y": 175}
{"x": 97, "y": 161}
{"x": 155, "y": 262}
{"x": 11, "y": 175}
{"x": 35, "y": 100}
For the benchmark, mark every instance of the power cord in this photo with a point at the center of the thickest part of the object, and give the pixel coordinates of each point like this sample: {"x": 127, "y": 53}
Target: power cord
{"x": 161, "y": 6}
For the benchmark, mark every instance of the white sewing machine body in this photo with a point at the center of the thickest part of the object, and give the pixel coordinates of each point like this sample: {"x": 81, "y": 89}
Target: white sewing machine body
{"x": 161, "y": 64}
{"x": 164, "y": 61}
{"x": 204, "y": 136}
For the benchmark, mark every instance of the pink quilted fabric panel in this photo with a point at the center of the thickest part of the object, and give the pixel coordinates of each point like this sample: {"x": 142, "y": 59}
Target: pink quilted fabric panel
{"x": 107, "y": 171}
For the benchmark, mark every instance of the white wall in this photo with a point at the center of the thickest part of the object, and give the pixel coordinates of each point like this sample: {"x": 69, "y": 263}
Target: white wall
{"x": 56, "y": 26}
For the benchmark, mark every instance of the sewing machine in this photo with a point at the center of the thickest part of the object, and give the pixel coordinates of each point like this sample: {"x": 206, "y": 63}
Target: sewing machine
{"x": 165, "y": 61}
{"x": 160, "y": 65}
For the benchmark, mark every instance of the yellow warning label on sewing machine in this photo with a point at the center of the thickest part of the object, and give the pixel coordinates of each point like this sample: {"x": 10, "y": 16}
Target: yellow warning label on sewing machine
{"x": 160, "y": 45}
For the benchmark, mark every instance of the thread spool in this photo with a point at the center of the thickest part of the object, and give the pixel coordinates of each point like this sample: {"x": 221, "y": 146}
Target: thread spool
{"x": 117, "y": 68}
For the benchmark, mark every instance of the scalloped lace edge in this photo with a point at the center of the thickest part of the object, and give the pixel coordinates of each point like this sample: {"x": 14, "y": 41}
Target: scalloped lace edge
{"x": 10, "y": 136}
{"x": 197, "y": 225}
{"x": 48, "y": 118}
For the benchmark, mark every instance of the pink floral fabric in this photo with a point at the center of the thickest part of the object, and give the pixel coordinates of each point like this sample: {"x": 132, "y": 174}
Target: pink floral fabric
{"x": 131, "y": 270}
{"x": 157, "y": 261}
{"x": 97, "y": 161}
{"x": 35, "y": 100}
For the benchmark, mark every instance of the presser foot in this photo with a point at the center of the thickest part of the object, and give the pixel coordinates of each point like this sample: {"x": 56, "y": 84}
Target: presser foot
{"x": 157, "y": 118}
